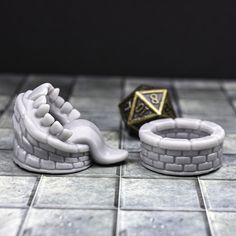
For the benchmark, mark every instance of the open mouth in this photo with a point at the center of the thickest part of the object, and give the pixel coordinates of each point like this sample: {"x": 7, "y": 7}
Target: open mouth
{"x": 42, "y": 141}
{"x": 50, "y": 137}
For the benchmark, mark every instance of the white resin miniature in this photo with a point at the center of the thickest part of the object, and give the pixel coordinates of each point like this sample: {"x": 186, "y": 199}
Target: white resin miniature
{"x": 51, "y": 138}
{"x": 181, "y": 146}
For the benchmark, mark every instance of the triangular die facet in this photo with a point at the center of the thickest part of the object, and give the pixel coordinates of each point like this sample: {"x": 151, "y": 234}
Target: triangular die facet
{"x": 155, "y": 99}
{"x": 168, "y": 110}
{"x": 140, "y": 111}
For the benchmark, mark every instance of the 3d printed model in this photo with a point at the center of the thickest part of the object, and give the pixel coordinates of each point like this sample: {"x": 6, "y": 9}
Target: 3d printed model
{"x": 184, "y": 147}
{"x": 145, "y": 104}
{"x": 50, "y": 137}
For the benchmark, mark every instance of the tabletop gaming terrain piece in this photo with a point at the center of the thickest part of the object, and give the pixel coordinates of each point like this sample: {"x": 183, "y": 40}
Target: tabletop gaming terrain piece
{"x": 51, "y": 138}
{"x": 181, "y": 146}
{"x": 145, "y": 104}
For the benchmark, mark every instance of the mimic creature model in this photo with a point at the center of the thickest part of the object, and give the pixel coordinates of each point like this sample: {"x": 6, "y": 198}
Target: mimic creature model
{"x": 51, "y": 138}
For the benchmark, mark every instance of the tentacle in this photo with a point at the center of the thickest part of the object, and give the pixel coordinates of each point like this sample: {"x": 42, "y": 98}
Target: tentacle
{"x": 85, "y": 132}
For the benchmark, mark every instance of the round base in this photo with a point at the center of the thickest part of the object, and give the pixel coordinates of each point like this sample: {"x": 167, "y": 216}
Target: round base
{"x": 44, "y": 171}
{"x": 33, "y": 163}
{"x": 174, "y": 173}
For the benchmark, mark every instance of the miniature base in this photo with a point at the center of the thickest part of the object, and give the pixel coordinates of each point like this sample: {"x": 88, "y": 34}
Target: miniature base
{"x": 33, "y": 163}
{"x": 176, "y": 163}
{"x": 167, "y": 172}
{"x": 181, "y": 147}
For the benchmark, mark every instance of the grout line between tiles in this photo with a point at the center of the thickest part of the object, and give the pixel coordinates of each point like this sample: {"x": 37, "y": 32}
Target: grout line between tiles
{"x": 116, "y": 233}
{"x": 82, "y": 176}
{"x": 206, "y": 209}
{"x": 176, "y": 100}
{"x": 75, "y": 207}
{"x": 24, "y": 222}
{"x": 164, "y": 209}
{"x": 160, "y": 177}
{"x": 228, "y": 98}
{"x": 71, "y": 89}
{"x": 17, "y": 90}
{"x": 117, "y": 224}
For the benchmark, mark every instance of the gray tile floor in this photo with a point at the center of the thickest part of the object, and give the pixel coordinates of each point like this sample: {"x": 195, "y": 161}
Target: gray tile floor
{"x": 125, "y": 199}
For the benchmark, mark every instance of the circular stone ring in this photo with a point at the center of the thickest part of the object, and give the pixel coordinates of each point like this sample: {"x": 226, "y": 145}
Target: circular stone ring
{"x": 181, "y": 146}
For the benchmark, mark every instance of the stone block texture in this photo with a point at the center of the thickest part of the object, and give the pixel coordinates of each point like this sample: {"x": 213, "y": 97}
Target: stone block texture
{"x": 40, "y": 157}
{"x": 182, "y": 146}
{"x": 185, "y": 163}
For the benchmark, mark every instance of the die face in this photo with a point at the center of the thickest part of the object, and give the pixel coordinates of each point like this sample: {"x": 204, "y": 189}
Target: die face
{"x": 140, "y": 111}
{"x": 126, "y": 105}
{"x": 168, "y": 110}
{"x": 155, "y": 98}
{"x": 145, "y": 104}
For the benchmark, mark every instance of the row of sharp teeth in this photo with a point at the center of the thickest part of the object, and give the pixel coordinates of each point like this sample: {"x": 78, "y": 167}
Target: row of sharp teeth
{"x": 55, "y": 127}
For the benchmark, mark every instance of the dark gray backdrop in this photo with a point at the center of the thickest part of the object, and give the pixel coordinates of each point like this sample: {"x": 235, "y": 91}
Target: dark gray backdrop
{"x": 151, "y": 38}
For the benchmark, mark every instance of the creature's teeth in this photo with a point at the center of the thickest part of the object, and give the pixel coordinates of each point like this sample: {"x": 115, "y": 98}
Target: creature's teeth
{"x": 47, "y": 120}
{"x": 59, "y": 102}
{"x": 39, "y": 101}
{"x": 65, "y": 134}
{"x": 56, "y": 128}
{"x": 42, "y": 110}
{"x": 40, "y": 90}
{"x": 74, "y": 115}
{"x": 66, "y": 108}
{"x": 54, "y": 94}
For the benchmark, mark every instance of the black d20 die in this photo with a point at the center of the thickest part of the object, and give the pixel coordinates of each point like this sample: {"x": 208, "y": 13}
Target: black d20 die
{"x": 143, "y": 105}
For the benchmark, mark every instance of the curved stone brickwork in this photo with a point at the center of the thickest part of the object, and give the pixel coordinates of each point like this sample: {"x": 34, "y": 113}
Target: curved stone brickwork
{"x": 40, "y": 157}
{"x": 183, "y": 147}
{"x": 185, "y": 163}
{"x": 54, "y": 138}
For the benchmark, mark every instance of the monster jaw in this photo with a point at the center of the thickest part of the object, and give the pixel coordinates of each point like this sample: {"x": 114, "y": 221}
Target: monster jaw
{"x": 36, "y": 148}
{"x": 46, "y": 126}
{"x": 46, "y": 114}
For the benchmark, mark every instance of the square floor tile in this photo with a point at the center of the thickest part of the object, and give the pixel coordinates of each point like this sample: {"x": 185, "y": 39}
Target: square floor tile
{"x": 131, "y": 83}
{"x": 159, "y": 194}
{"x": 130, "y": 143}
{"x": 231, "y": 94}
{"x": 76, "y": 192}
{"x": 227, "y": 171}
{"x": 220, "y": 195}
{"x": 6, "y": 120}
{"x": 229, "y": 144}
{"x": 97, "y": 86}
{"x": 229, "y": 85}
{"x": 98, "y": 170}
{"x": 133, "y": 168}
{"x": 201, "y": 84}
{"x": 223, "y": 223}
{"x": 4, "y": 100}
{"x": 234, "y": 101}
{"x": 16, "y": 191}
{"x": 6, "y": 138}
{"x": 194, "y": 94}
{"x": 103, "y": 121}
{"x": 8, "y": 167}
{"x": 91, "y": 105}
{"x": 58, "y": 81}
{"x": 70, "y": 222}
{"x": 9, "y": 83}
{"x": 144, "y": 223}
{"x": 112, "y": 138}
{"x": 208, "y": 107}
{"x": 10, "y": 221}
